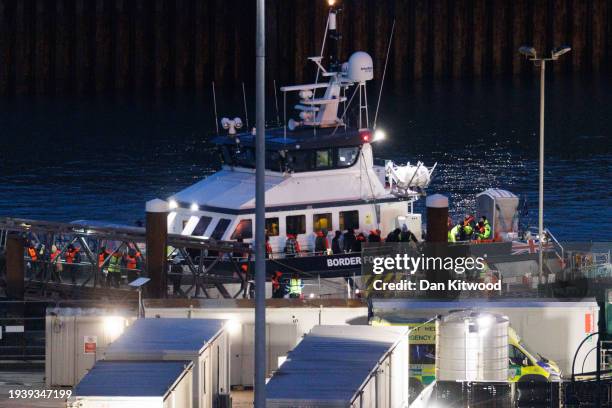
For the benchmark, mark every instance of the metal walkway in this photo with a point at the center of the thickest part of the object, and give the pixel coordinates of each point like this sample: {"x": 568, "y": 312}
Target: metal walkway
{"x": 193, "y": 263}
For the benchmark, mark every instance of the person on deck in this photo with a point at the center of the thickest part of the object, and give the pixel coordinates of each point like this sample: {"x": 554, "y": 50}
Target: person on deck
{"x": 407, "y": 236}
{"x": 71, "y": 258}
{"x": 359, "y": 240}
{"x": 295, "y": 286}
{"x": 349, "y": 240}
{"x": 292, "y": 246}
{"x": 484, "y": 229}
{"x": 278, "y": 286}
{"x": 394, "y": 236}
{"x": 321, "y": 243}
{"x": 336, "y": 244}
{"x": 113, "y": 277}
{"x": 374, "y": 236}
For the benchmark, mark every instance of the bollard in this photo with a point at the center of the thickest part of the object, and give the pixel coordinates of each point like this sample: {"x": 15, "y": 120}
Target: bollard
{"x": 157, "y": 238}
{"x": 437, "y": 218}
{"x": 15, "y": 267}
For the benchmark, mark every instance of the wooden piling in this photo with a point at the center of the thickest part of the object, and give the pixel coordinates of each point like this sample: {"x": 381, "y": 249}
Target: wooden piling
{"x": 157, "y": 238}
{"x": 15, "y": 267}
{"x": 437, "y": 218}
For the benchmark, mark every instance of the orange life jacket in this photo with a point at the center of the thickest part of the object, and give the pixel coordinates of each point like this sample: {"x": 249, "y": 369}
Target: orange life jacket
{"x": 102, "y": 257}
{"x": 55, "y": 254}
{"x": 70, "y": 255}
{"x": 131, "y": 262}
{"x": 32, "y": 253}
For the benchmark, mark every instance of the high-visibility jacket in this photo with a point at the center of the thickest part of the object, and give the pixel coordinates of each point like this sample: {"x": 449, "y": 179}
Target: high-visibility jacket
{"x": 114, "y": 265}
{"x": 485, "y": 231}
{"x": 295, "y": 286}
{"x": 32, "y": 253}
{"x": 452, "y": 235}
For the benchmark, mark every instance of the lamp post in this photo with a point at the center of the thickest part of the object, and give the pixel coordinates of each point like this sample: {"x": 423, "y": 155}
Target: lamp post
{"x": 531, "y": 54}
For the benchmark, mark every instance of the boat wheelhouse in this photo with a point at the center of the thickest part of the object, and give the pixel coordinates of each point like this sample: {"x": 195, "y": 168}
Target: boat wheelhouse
{"x": 320, "y": 171}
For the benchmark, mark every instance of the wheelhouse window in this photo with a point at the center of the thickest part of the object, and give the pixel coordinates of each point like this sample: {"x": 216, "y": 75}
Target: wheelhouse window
{"x": 322, "y": 222}
{"x": 323, "y": 159}
{"x": 299, "y": 161}
{"x": 347, "y": 156}
{"x": 296, "y": 224}
{"x": 220, "y": 228}
{"x": 244, "y": 230}
{"x": 201, "y": 226}
{"x": 349, "y": 219}
{"x": 272, "y": 226}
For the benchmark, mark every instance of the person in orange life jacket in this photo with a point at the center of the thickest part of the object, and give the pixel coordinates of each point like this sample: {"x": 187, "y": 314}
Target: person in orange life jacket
{"x": 102, "y": 255}
{"x": 132, "y": 259}
{"x": 374, "y": 236}
{"x": 278, "y": 286}
{"x": 336, "y": 244}
{"x": 359, "y": 240}
{"x": 292, "y": 246}
{"x": 321, "y": 243}
{"x": 70, "y": 258}
{"x": 33, "y": 264}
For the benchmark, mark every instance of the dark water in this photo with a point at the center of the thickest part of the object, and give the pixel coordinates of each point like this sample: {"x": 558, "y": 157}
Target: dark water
{"x": 67, "y": 159}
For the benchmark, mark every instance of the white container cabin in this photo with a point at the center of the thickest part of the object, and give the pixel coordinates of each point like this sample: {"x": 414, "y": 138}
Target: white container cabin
{"x": 344, "y": 366}
{"x": 135, "y": 384}
{"x": 205, "y": 342}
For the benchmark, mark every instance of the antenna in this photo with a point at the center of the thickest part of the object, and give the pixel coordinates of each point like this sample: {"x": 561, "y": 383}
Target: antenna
{"x": 246, "y": 115}
{"x": 215, "y": 107}
{"x": 382, "y": 83}
{"x": 276, "y": 103}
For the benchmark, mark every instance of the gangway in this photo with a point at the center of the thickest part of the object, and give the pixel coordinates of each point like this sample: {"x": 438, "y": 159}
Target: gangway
{"x": 193, "y": 262}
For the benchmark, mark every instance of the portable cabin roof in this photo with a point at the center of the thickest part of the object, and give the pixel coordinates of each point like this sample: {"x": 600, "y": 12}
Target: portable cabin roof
{"x": 131, "y": 378}
{"x": 150, "y": 338}
{"x": 331, "y": 363}
{"x": 497, "y": 193}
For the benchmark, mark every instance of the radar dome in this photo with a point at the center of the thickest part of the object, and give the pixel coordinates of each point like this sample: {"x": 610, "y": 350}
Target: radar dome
{"x": 360, "y": 67}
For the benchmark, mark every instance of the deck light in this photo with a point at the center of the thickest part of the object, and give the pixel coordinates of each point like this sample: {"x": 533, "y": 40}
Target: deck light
{"x": 528, "y": 51}
{"x": 172, "y": 204}
{"x": 194, "y": 207}
{"x": 379, "y": 135}
{"x": 312, "y": 295}
{"x": 559, "y": 51}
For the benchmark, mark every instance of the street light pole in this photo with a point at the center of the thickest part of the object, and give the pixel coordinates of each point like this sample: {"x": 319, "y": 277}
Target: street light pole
{"x": 541, "y": 171}
{"x": 260, "y": 209}
{"x": 531, "y": 54}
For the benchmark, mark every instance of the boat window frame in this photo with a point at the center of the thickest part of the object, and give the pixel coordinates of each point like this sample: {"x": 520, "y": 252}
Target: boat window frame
{"x": 214, "y": 234}
{"x": 342, "y": 222}
{"x": 303, "y": 230}
{"x": 328, "y": 216}
{"x": 268, "y": 219}
{"x": 238, "y": 226}
{"x": 285, "y": 158}
{"x": 203, "y": 217}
